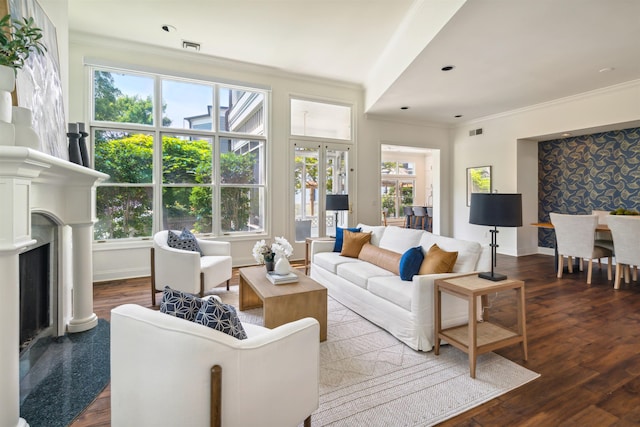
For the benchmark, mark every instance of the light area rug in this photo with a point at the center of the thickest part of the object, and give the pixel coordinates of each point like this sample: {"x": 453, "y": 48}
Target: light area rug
{"x": 369, "y": 378}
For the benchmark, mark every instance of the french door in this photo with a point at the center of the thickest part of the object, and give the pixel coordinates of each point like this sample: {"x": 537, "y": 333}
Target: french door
{"x": 320, "y": 169}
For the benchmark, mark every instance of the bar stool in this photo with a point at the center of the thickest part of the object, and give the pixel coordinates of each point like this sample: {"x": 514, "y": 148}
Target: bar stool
{"x": 430, "y": 220}
{"x": 421, "y": 215}
{"x": 408, "y": 213}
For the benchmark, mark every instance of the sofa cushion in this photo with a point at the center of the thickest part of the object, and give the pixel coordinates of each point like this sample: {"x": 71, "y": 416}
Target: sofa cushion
{"x": 221, "y": 317}
{"x": 353, "y": 242}
{"x": 376, "y": 232}
{"x": 330, "y": 260}
{"x": 468, "y": 252}
{"x": 180, "y": 304}
{"x": 438, "y": 261}
{"x": 410, "y": 263}
{"x": 360, "y": 272}
{"x": 337, "y": 245}
{"x": 186, "y": 241}
{"x": 392, "y": 289}
{"x": 400, "y": 239}
{"x": 383, "y": 258}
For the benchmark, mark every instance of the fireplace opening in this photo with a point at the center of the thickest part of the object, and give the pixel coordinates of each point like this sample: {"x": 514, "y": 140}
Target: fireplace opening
{"x": 35, "y": 295}
{"x": 38, "y": 283}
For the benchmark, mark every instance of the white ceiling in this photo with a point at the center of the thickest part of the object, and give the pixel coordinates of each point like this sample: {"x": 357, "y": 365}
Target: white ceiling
{"x": 508, "y": 54}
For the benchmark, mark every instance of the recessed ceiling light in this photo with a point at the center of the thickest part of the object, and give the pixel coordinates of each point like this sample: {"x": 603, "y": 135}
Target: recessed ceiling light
{"x": 168, "y": 28}
{"x": 606, "y": 70}
{"x": 448, "y": 67}
{"x": 566, "y": 134}
{"x": 457, "y": 116}
{"x": 404, "y": 108}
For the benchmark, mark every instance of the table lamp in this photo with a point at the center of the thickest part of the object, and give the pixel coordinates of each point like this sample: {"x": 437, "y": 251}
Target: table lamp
{"x": 496, "y": 210}
{"x": 337, "y": 202}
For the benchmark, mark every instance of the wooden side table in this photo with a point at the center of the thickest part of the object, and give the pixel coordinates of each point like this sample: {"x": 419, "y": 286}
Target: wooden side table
{"x": 307, "y": 251}
{"x": 476, "y": 337}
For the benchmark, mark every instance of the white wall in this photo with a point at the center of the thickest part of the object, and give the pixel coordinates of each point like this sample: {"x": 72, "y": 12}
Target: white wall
{"x": 508, "y": 145}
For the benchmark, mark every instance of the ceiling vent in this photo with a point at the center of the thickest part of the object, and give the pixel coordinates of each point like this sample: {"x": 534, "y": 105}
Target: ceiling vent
{"x": 191, "y": 45}
{"x": 473, "y": 132}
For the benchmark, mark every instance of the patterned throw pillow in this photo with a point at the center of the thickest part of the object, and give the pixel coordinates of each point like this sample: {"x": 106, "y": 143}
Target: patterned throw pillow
{"x": 180, "y": 304}
{"x": 185, "y": 241}
{"x": 221, "y": 317}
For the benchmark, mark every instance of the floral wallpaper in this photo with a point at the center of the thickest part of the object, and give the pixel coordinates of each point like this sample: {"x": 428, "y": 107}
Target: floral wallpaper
{"x": 579, "y": 174}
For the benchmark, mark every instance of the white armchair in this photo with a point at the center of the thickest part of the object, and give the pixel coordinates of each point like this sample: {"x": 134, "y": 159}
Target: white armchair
{"x": 162, "y": 372}
{"x": 187, "y": 271}
{"x": 626, "y": 238}
{"x": 575, "y": 237}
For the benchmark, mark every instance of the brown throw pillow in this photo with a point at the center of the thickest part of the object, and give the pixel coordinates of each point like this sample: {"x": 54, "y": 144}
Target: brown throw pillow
{"x": 353, "y": 242}
{"x": 438, "y": 261}
{"x": 383, "y": 258}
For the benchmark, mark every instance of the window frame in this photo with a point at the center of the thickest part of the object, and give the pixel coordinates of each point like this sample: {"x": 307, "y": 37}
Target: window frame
{"x": 158, "y": 131}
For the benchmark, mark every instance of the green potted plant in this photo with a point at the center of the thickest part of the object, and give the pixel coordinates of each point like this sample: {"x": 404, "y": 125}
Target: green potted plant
{"x": 18, "y": 40}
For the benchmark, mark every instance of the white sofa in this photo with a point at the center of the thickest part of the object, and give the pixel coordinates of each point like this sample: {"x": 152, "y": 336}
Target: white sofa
{"x": 161, "y": 372}
{"x": 404, "y": 308}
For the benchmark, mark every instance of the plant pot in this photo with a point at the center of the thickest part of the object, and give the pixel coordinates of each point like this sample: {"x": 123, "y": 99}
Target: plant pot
{"x": 7, "y": 84}
{"x": 25, "y": 136}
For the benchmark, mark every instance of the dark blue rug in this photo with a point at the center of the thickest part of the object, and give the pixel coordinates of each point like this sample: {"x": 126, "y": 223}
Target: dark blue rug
{"x": 65, "y": 374}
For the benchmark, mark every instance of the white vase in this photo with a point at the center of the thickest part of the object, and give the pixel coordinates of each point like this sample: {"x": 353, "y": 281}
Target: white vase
{"x": 25, "y": 135}
{"x": 282, "y": 266}
{"x": 7, "y": 84}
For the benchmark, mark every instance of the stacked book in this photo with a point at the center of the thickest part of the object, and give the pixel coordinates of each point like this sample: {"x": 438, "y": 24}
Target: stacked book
{"x": 279, "y": 279}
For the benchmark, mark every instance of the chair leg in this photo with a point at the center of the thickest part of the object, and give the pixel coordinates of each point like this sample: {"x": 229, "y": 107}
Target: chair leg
{"x": 616, "y": 284}
{"x": 634, "y": 273}
{"x": 228, "y": 284}
{"x": 153, "y": 278}
{"x": 626, "y": 274}
{"x": 560, "y": 266}
{"x": 609, "y": 268}
{"x": 589, "y": 269}
{"x": 570, "y": 264}
{"x": 307, "y": 421}
{"x": 216, "y": 396}
{"x": 201, "y": 284}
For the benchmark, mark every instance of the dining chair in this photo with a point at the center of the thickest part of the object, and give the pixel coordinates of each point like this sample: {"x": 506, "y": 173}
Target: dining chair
{"x": 603, "y": 238}
{"x": 420, "y": 214}
{"x": 626, "y": 237}
{"x": 575, "y": 238}
{"x": 408, "y": 213}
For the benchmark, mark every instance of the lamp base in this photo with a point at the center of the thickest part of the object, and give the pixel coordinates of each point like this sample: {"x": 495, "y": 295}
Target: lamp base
{"x": 495, "y": 277}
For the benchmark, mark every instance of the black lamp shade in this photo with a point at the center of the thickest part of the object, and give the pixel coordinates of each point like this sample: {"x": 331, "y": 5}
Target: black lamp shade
{"x": 337, "y": 202}
{"x": 494, "y": 209}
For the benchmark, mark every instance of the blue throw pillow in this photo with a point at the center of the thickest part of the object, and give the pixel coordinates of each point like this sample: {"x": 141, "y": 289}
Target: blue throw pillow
{"x": 221, "y": 317}
{"x": 410, "y": 263}
{"x": 337, "y": 246}
{"x": 185, "y": 241}
{"x": 180, "y": 304}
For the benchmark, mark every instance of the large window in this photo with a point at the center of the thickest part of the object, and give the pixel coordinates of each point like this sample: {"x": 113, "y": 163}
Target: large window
{"x": 180, "y": 153}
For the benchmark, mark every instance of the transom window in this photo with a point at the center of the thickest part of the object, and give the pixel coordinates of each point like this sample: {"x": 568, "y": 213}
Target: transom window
{"x": 180, "y": 153}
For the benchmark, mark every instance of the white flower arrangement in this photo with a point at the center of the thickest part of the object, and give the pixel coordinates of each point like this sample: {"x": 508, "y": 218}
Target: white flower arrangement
{"x": 263, "y": 253}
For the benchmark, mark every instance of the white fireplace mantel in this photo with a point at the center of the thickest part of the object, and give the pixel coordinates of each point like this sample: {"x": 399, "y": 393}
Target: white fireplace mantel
{"x": 34, "y": 182}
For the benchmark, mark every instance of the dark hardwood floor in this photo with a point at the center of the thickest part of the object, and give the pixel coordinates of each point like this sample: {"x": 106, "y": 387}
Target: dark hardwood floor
{"x": 583, "y": 340}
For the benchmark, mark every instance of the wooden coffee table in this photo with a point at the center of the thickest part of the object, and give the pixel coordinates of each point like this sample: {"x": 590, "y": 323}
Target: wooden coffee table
{"x": 283, "y": 303}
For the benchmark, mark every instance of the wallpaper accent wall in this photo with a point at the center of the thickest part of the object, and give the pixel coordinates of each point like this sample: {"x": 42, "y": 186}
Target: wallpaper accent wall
{"x": 579, "y": 174}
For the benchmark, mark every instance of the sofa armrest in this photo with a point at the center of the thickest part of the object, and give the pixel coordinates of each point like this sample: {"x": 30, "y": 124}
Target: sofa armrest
{"x": 318, "y": 246}
{"x": 423, "y": 300}
{"x": 214, "y": 248}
